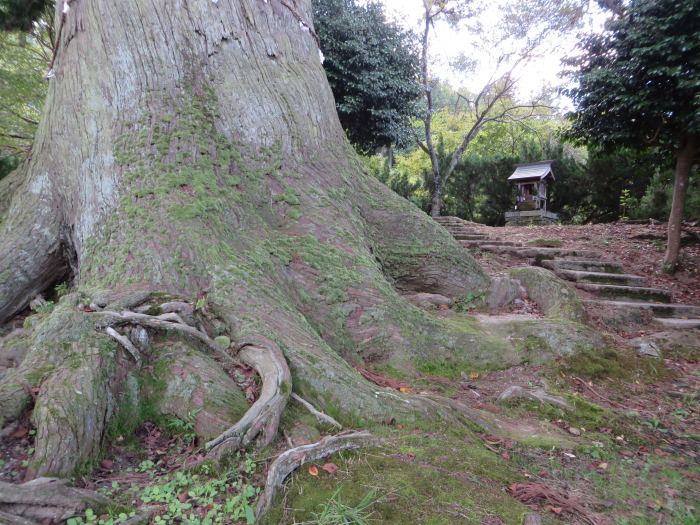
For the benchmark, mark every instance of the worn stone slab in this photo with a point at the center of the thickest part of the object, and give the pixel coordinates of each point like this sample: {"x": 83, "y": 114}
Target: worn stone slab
{"x": 666, "y": 310}
{"x": 621, "y": 279}
{"x": 631, "y": 293}
{"x": 583, "y": 265}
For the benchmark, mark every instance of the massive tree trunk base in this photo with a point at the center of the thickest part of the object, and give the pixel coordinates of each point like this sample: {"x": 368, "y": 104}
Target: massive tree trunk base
{"x": 205, "y": 218}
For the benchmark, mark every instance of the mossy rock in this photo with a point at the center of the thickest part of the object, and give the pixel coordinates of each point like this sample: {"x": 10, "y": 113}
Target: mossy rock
{"x": 683, "y": 344}
{"x": 615, "y": 365}
{"x": 536, "y": 341}
{"x": 555, "y": 297}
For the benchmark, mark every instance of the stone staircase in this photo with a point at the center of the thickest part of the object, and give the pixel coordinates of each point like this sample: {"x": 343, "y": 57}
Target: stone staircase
{"x": 602, "y": 283}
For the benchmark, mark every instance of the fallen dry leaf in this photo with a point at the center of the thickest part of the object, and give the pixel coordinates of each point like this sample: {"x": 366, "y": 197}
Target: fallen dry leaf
{"x": 331, "y": 468}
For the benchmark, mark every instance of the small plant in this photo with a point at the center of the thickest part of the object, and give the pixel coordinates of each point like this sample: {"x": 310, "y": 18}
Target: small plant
{"x": 183, "y": 427}
{"x": 335, "y": 512}
{"x": 61, "y": 289}
{"x": 146, "y": 466}
{"x": 471, "y": 301}
{"x": 627, "y": 202}
{"x": 45, "y": 307}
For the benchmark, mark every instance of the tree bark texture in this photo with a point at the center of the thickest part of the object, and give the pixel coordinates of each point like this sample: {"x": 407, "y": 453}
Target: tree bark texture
{"x": 191, "y": 152}
{"x": 685, "y": 158}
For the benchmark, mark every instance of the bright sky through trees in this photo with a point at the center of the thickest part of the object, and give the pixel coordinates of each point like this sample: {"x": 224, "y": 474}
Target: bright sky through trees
{"x": 541, "y": 72}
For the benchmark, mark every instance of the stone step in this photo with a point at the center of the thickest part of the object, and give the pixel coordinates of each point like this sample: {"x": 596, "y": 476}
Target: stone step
{"x": 470, "y": 236}
{"x": 486, "y": 242}
{"x": 601, "y": 277}
{"x": 458, "y": 228}
{"x": 665, "y": 310}
{"x": 630, "y": 293}
{"x": 583, "y": 265}
{"x": 684, "y": 324}
{"x": 540, "y": 254}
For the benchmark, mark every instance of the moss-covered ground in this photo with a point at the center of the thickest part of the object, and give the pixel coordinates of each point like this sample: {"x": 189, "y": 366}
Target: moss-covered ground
{"x": 627, "y": 461}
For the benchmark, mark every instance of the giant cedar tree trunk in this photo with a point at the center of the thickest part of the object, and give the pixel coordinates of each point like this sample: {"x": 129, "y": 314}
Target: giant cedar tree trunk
{"x": 191, "y": 149}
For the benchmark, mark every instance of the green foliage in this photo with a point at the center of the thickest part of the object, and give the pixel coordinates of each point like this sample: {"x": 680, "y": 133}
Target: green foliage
{"x": 45, "y": 307}
{"x": 471, "y": 301}
{"x": 61, "y": 289}
{"x": 24, "y": 59}
{"x": 19, "y": 14}
{"x": 639, "y": 82}
{"x": 335, "y": 512}
{"x": 223, "y": 498}
{"x": 372, "y": 68}
{"x": 184, "y": 428}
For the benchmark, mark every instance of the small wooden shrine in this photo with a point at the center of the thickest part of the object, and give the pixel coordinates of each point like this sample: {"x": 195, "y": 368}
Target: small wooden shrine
{"x": 531, "y": 181}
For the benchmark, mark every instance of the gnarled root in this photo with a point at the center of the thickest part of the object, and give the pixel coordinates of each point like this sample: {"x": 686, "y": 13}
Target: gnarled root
{"x": 538, "y": 394}
{"x": 170, "y": 322}
{"x": 292, "y": 459}
{"x": 262, "y": 419}
{"x": 45, "y": 499}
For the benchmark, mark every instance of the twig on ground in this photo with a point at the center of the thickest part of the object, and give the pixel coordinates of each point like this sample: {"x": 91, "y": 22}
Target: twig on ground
{"x": 581, "y": 382}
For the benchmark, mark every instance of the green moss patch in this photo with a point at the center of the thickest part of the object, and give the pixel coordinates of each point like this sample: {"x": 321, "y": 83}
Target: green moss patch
{"x": 608, "y": 363}
{"x": 416, "y": 478}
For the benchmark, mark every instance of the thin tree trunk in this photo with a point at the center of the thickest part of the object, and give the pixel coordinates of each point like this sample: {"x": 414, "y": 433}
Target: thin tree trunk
{"x": 684, "y": 165}
{"x": 436, "y": 203}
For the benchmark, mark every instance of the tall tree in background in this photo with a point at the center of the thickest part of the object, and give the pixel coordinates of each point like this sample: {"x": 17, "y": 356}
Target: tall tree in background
{"x": 525, "y": 26}
{"x": 372, "y": 68}
{"x": 638, "y": 85}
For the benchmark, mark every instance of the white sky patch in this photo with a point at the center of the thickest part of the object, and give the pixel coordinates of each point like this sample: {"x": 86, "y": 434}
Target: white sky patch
{"x": 447, "y": 43}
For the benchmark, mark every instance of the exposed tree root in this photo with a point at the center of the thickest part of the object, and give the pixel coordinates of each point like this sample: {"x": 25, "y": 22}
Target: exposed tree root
{"x": 262, "y": 419}
{"x": 536, "y": 395}
{"x": 323, "y": 418}
{"x": 9, "y": 519}
{"x": 292, "y": 459}
{"x": 45, "y": 499}
{"x": 126, "y": 343}
{"x": 171, "y": 322}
